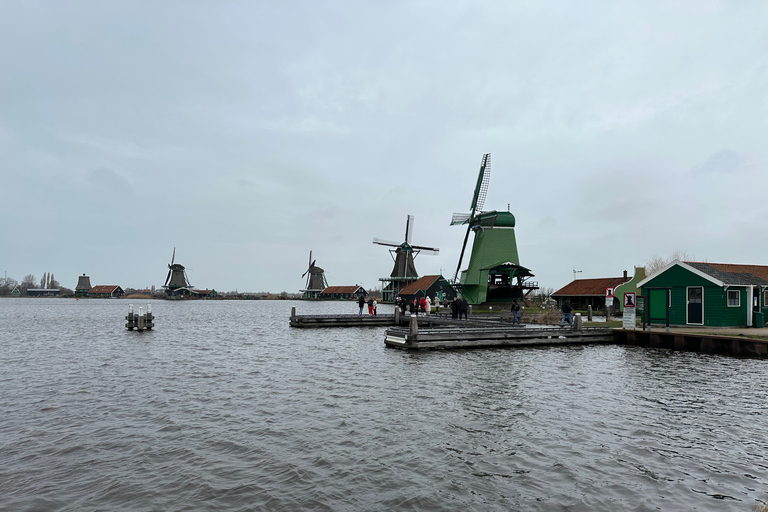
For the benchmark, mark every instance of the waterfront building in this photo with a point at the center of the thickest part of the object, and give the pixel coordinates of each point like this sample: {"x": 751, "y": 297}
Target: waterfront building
{"x": 707, "y": 294}
{"x": 343, "y": 292}
{"x": 582, "y": 293}
{"x": 106, "y": 291}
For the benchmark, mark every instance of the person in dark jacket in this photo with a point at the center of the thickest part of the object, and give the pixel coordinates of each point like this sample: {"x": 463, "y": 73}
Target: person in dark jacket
{"x": 463, "y": 308}
{"x": 370, "y": 306}
{"x": 566, "y": 309}
{"x": 455, "y": 308}
{"x": 515, "y": 309}
{"x": 361, "y": 303}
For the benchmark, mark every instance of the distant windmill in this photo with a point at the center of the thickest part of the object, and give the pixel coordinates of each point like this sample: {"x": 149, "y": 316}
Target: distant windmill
{"x": 494, "y": 272}
{"x": 176, "y": 283}
{"x": 315, "y": 280}
{"x": 404, "y": 270}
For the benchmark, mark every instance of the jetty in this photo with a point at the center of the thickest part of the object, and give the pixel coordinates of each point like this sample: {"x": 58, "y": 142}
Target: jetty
{"x": 483, "y": 336}
{"x": 352, "y": 320}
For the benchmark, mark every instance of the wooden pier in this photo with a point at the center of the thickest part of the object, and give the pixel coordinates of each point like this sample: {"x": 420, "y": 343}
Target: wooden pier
{"x": 467, "y": 336}
{"x": 365, "y": 320}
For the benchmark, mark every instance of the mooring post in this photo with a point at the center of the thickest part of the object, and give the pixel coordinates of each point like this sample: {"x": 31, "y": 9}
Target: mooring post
{"x": 130, "y": 325}
{"x": 142, "y": 319}
{"x": 577, "y": 322}
{"x": 589, "y": 313}
{"x": 469, "y": 309}
{"x": 293, "y": 312}
{"x": 413, "y": 328}
{"x": 397, "y": 314}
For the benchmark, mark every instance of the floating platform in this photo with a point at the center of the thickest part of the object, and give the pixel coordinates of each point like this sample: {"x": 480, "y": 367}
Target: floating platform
{"x": 414, "y": 338}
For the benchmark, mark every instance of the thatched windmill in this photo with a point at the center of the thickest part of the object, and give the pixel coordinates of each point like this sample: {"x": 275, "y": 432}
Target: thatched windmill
{"x": 176, "y": 283}
{"x": 315, "y": 280}
{"x": 403, "y": 254}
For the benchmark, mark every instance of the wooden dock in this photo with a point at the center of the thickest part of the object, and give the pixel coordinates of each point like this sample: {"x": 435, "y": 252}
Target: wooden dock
{"x": 415, "y": 338}
{"x": 313, "y": 321}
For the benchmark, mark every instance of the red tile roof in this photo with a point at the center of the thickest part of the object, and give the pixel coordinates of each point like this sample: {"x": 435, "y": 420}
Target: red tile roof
{"x": 341, "y": 289}
{"x": 589, "y": 286}
{"x": 422, "y": 283}
{"x": 104, "y": 288}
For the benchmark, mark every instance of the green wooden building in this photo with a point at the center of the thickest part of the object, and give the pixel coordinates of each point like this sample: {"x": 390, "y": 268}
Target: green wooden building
{"x": 689, "y": 293}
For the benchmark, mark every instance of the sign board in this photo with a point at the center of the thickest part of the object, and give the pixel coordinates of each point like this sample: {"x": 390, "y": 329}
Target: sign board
{"x": 629, "y": 300}
{"x": 640, "y": 301}
{"x": 628, "y": 321}
{"x": 609, "y": 301}
{"x": 609, "y": 293}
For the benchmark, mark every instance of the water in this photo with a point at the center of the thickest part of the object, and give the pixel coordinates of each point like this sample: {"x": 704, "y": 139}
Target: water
{"x": 225, "y": 407}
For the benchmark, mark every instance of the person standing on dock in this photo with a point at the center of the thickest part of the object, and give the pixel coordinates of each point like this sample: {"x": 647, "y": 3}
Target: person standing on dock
{"x": 515, "y": 309}
{"x": 455, "y": 308}
{"x": 566, "y": 309}
{"x": 428, "y": 304}
{"x": 463, "y": 308}
{"x": 374, "y": 306}
{"x": 412, "y": 308}
{"x": 361, "y": 303}
{"x": 370, "y": 306}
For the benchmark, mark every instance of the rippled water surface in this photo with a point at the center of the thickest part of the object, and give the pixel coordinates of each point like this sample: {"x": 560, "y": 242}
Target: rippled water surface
{"x": 225, "y": 407}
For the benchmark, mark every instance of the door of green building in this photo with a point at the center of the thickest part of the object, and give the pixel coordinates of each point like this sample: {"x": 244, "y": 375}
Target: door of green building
{"x": 657, "y": 305}
{"x": 695, "y": 305}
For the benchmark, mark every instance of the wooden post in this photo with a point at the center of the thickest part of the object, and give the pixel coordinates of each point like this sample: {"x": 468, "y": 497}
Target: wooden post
{"x": 413, "y": 328}
{"x": 607, "y": 313}
{"x": 397, "y": 314}
{"x": 577, "y": 326}
{"x": 141, "y": 319}
{"x": 293, "y": 312}
{"x": 589, "y": 313}
{"x": 130, "y": 325}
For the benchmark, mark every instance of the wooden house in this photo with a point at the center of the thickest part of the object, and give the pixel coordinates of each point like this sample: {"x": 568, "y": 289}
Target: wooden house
{"x": 106, "y": 291}
{"x": 707, "y": 294}
{"x": 43, "y": 292}
{"x": 431, "y": 286}
{"x": 343, "y": 292}
{"x": 588, "y": 292}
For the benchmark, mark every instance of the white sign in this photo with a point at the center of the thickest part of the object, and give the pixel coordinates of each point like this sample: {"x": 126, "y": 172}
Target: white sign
{"x": 629, "y": 318}
{"x": 609, "y": 301}
{"x": 629, "y": 300}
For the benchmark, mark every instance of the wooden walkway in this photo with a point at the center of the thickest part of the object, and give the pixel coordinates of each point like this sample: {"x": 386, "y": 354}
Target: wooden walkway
{"x": 415, "y": 338}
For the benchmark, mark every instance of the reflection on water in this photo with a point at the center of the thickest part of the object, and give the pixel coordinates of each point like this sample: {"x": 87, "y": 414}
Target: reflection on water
{"x": 225, "y": 407}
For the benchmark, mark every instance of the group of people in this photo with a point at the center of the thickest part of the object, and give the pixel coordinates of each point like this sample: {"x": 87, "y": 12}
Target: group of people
{"x": 371, "y": 305}
{"x": 419, "y": 304}
{"x": 459, "y": 308}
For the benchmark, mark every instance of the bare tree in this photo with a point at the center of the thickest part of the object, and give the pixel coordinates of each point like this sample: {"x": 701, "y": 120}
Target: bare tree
{"x": 656, "y": 262}
{"x": 7, "y": 284}
{"x": 29, "y": 281}
{"x": 52, "y": 283}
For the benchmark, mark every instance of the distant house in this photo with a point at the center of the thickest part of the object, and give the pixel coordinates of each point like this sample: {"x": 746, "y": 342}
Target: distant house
{"x": 16, "y": 292}
{"x": 83, "y": 286}
{"x": 707, "y": 294}
{"x": 343, "y": 292}
{"x": 43, "y": 292}
{"x": 106, "y": 291}
{"x": 205, "y": 294}
{"x": 588, "y": 292}
{"x": 428, "y": 286}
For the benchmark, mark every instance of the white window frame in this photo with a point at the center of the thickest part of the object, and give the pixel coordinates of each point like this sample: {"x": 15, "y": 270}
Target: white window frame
{"x": 738, "y": 298}
{"x": 765, "y": 298}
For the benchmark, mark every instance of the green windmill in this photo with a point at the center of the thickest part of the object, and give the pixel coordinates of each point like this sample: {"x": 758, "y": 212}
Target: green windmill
{"x": 494, "y": 273}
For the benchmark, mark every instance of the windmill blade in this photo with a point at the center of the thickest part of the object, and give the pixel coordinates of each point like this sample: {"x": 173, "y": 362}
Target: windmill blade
{"x": 379, "y": 241}
{"x": 169, "y": 276}
{"x": 426, "y": 250}
{"x": 310, "y": 258}
{"x": 461, "y": 256}
{"x": 481, "y": 188}
{"x": 173, "y": 258}
{"x": 459, "y": 218}
{"x": 409, "y": 229}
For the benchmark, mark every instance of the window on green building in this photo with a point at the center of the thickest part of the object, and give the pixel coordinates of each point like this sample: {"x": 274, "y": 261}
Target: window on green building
{"x": 734, "y": 298}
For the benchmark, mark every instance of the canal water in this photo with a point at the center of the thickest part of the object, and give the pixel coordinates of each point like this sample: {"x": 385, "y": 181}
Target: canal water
{"x": 225, "y": 407}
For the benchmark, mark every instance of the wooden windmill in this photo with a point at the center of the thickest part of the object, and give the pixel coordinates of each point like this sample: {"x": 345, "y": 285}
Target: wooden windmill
{"x": 403, "y": 254}
{"x": 176, "y": 283}
{"x": 494, "y": 273}
{"x": 315, "y": 280}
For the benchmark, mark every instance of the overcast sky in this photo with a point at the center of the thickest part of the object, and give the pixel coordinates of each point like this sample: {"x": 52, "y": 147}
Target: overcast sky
{"x": 246, "y": 134}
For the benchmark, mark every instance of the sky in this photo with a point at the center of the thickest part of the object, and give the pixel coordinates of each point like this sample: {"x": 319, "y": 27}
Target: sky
{"x": 245, "y": 134}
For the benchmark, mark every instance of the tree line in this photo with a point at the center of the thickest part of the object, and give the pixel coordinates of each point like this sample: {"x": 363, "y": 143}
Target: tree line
{"x": 8, "y": 284}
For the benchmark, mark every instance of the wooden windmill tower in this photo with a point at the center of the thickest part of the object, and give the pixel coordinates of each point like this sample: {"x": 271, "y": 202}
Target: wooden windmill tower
{"x": 315, "y": 280}
{"x": 176, "y": 283}
{"x": 494, "y": 273}
{"x": 404, "y": 270}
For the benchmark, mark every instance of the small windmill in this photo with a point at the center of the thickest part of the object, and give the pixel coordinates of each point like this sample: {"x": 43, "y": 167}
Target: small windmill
{"x": 176, "y": 283}
{"x": 403, "y": 254}
{"x": 315, "y": 280}
{"x": 494, "y": 272}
